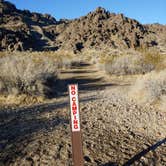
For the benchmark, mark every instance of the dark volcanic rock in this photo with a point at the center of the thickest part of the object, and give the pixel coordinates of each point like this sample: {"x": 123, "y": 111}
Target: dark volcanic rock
{"x": 23, "y": 30}
{"x": 15, "y": 40}
{"x": 16, "y": 30}
{"x": 6, "y": 7}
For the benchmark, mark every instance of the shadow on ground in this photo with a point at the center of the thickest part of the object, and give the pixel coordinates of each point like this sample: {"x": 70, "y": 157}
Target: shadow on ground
{"x": 21, "y": 124}
{"x": 109, "y": 164}
{"x": 138, "y": 156}
{"x": 84, "y": 84}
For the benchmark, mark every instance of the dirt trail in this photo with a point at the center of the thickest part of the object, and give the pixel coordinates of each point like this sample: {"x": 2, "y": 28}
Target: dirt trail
{"x": 88, "y": 77}
{"x": 114, "y": 130}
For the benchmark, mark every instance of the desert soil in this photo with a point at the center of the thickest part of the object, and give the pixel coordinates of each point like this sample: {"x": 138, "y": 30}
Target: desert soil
{"x": 114, "y": 128}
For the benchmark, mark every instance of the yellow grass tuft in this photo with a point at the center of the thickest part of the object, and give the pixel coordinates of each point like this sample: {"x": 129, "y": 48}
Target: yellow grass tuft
{"x": 21, "y": 100}
{"x": 150, "y": 88}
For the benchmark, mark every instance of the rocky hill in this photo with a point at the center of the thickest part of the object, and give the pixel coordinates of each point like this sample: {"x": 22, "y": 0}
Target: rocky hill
{"x": 16, "y": 32}
{"x": 160, "y": 32}
{"x": 22, "y": 30}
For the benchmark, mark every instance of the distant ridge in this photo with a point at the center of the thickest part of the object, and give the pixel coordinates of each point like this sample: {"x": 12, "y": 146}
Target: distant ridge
{"x": 22, "y": 30}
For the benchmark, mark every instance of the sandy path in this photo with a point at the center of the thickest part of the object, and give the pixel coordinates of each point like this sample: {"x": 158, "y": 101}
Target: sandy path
{"x": 114, "y": 129}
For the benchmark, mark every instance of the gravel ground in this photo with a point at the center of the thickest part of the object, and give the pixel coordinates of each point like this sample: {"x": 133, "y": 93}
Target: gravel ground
{"x": 114, "y": 130}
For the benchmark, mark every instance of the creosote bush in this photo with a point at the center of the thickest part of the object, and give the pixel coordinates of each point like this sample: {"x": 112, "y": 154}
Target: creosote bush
{"x": 23, "y": 74}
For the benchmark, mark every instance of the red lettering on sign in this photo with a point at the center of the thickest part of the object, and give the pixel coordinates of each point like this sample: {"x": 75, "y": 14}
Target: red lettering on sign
{"x": 75, "y": 126}
{"x": 73, "y": 98}
{"x": 75, "y": 121}
{"x": 74, "y": 103}
{"x": 74, "y": 112}
{"x": 74, "y": 107}
{"x": 73, "y": 92}
{"x": 73, "y": 87}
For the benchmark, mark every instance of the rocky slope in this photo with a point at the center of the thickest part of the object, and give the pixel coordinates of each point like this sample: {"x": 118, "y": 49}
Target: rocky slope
{"x": 160, "y": 31}
{"x": 23, "y": 30}
{"x": 16, "y": 28}
{"x": 101, "y": 29}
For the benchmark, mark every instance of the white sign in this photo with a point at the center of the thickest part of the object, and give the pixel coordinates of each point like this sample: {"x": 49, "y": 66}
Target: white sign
{"x": 74, "y": 107}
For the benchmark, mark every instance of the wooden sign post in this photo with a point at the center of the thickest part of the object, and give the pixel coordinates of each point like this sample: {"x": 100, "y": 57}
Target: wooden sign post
{"x": 77, "y": 151}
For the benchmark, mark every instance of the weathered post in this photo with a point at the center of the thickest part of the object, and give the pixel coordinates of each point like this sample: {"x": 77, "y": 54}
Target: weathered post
{"x": 77, "y": 151}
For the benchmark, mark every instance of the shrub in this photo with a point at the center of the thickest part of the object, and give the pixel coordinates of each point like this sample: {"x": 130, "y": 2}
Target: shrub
{"x": 2, "y": 54}
{"x": 122, "y": 62}
{"x": 22, "y": 74}
{"x": 150, "y": 88}
{"x": 63, "y": 58}
{"x": 127, "y": 64}
{"x": 153, "y": 57}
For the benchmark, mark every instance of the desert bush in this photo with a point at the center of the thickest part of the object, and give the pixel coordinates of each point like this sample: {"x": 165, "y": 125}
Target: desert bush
{"x": 150, "y": 88}
{"x": 154, "y": 57}
{"x": 22, "y": 74}
{"x": 89, "y": 55}
{"x": 98, "y": 57}
{"x": 122, "y": 62}
{"x": 3, "y": 53}
{"x": 63, "y": 58}
{"x": 127, "y": 64}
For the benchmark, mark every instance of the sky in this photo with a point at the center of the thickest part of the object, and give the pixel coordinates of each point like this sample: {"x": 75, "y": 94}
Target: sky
{"x": 145, "y": 11}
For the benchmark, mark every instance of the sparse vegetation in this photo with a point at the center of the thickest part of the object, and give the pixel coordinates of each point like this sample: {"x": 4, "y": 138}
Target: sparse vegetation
{"x": 63, "y": 58}
{"x": 150, "y": 88}
{"x": 131, "y": 62}
{"x": 119, "y": 65}
{"x": 23, "y": 74}
{"x": 153, "y": 57}
{"x": 31, "y": 77}
{"x": 128, "y": 64}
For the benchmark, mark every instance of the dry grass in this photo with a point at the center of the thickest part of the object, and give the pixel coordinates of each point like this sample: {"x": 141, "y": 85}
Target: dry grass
{"x": 154, "y": 57}
{"x": 31, "y": 77}
{"x": 64, "y": 58}
{"x": 126, "y": 65}
{"x": 26, "y": 74}
{"x": 126, "y": 62}
{"x": 21, "y": 100}
{"x": 2, "y": 54}
{"x": 150, "y": 88}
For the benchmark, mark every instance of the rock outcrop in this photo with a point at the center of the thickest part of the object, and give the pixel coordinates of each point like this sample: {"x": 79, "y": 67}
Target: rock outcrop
{"x": 160, "y": 33}
{"x": 102, "y": 29}
{"x": 23, "y": 30}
